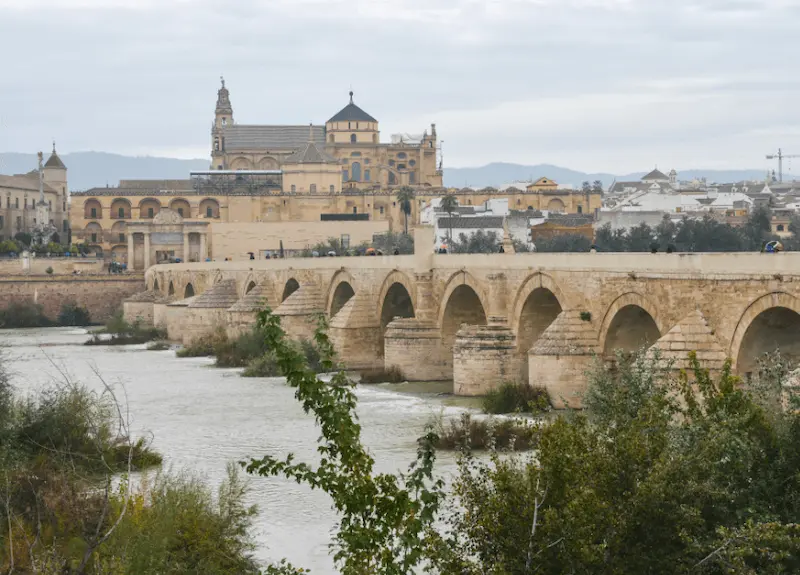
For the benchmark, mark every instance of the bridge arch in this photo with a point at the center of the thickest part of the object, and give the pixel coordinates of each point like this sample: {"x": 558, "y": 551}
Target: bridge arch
{"x": 631, "y": 322}
{"x": 539, "y": 302}
{"x": 396, "y": 299}
{"x": 340, "y": 291}
{"x": 155, "y": 284}
{"x": 171, "y": 289}
{"x": 463, "y": 303}
{"x": 770, "y": 322}
{"x": 188, "y": 291}
{"x": 291, "y": 286}
{"x": 458, "y": 279}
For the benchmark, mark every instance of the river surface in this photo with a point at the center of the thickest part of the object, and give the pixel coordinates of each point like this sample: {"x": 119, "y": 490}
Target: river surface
{"x": 202, "y": 417}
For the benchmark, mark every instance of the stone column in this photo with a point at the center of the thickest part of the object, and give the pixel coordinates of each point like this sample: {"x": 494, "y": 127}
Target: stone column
{"x": 497, "y": 314}
{"x": 203, "y": 254}
{"x": 483, "y": 359}
{"x": 185, "y": 246}
{"x": 146, "y": 250}
{"x": 130, "y": 251}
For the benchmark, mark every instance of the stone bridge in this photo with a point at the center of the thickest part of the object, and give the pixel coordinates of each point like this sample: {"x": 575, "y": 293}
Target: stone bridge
{"x": 481, "y": 319}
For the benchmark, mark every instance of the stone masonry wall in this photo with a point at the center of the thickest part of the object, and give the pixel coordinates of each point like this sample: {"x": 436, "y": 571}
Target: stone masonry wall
{"x": 101, "y": 295}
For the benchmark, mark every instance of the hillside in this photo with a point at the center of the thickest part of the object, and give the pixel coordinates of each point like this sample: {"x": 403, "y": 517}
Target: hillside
{"x": 97, "y": 169}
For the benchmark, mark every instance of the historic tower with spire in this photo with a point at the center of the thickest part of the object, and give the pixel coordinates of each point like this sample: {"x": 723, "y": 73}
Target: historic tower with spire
{"x": 223, "y": 116}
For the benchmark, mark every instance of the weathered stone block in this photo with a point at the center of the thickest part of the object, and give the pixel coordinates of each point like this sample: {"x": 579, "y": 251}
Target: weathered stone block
{"x": 483, "y": 358}
{"x": 415, "y": 347}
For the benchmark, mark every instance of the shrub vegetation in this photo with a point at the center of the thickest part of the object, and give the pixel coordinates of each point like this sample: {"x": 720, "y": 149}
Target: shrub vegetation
{"x": 24, "y": 314}
{"x": 391, "y": 375}
{"x": 74, "y": 315}
{"x": 470, "y": 433}
{"x": 516, "y": 398}
{"x": 122, "y": 332}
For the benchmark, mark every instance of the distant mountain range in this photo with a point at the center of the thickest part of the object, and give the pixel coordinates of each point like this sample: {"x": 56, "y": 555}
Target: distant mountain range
{"x": 98, "y": 169}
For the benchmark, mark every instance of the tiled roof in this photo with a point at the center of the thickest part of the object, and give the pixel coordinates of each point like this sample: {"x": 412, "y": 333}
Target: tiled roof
{"x": 352, "y": 113}
{"x": 55, "y": 162}
{"x": 655, "y": 175}
{"x": 310, "y": 154}
{"x": 250, "y": 137}
{"x": 30, "y": 183}
{"x": 481, "y": 222}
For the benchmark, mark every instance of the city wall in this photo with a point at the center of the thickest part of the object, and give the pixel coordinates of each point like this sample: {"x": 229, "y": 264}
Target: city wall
{"x": 102, "y": 295}
{"x": 483, "y": 319}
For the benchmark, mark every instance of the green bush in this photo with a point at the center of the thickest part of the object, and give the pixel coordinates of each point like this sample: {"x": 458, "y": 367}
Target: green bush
{"x": 240, "y": 351}
{"x": 158, "y": 346}
{"x": 205, "y": 345}
{"x": 516, "y": 398}
{"x": 470, "y": 433}
{"x": 392, "y": 375}
{"x": 264, "y": 366}
{"x": 24, "y": 314}
{"x": 73, "y": 315}
{"x": 123, "y": 332}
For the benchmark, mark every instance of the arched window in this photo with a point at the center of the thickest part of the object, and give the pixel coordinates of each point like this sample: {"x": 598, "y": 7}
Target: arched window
{"x": 580, "y": 209}
{"x": 412, "y": 177}
{"x": 352, "y": 138}
{"x": 401, "y": 156}
{"x": 313, "y": 188}
{"x": 216, "y": 144}
{"x": 366, "y": 176}
{"x": 355, "y": 210}
{"x": 356, "y": 171}
{"x": 294, "y": 188}
{"x": 780, "y": 227}
{"x": 345, "y": 175}
{"x": 392, "y": 179}
{"x": 333, "y": 188}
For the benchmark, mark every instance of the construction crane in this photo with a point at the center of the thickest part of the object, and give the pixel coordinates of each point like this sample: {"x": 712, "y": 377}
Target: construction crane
{"x": 780, "y": 156}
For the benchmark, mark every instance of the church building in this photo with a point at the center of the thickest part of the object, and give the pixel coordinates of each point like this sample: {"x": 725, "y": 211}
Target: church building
{"x": 350, "y": 138}
{"x": 20, "y": 193}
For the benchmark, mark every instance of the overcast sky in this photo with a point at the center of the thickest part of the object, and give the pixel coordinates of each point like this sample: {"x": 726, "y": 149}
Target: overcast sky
{"x": 596, "y": 85}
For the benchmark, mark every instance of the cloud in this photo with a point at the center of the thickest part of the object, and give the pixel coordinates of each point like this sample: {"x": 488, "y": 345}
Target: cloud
{"x": 614, "y": 85}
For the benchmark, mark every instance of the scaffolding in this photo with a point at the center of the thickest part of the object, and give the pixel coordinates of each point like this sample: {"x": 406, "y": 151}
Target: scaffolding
{"x": 237, "y": 182}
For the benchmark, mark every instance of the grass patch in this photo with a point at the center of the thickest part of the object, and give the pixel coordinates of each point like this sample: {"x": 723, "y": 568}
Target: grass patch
{"x": 481, "y": 434}
{"x": 122, "y": 332}
{"x": 205, "y": 345}
{"x": 516, "y": 398}
{"x": 379, "y": 375}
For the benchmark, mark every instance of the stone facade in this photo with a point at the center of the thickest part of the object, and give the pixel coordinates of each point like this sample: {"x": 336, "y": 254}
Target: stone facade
{"x": 101, "y": 295}
{"x": 557, "y": 312}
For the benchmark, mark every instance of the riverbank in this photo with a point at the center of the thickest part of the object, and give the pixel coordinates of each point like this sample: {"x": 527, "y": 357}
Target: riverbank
{"x": 201, "y": 418}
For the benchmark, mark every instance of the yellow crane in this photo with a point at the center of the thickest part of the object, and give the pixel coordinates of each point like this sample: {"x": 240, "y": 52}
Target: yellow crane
{"x": 780, "y": 156}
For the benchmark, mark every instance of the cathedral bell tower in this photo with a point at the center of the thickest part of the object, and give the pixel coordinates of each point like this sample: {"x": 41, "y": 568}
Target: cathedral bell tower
{"x": 223, "y": 117}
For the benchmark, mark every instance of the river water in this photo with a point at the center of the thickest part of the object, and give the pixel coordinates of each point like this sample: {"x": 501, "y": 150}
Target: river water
{"x": 202, "y": 417}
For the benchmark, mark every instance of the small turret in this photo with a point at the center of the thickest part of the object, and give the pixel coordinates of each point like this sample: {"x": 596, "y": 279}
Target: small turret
{"x": 54, "y": 173}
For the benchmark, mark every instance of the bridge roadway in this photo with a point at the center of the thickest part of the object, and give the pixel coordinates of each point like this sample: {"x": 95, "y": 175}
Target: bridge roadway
{"x": 484, "y": 319}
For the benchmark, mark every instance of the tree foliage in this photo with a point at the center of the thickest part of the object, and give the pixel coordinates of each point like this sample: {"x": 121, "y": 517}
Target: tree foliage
{"x": 691, "y": 235}
{"x": 405, "y": 195}
{"x": 383, "y": 517}
{"x": 661, "y": 475}
{"x": 479, "y": 242}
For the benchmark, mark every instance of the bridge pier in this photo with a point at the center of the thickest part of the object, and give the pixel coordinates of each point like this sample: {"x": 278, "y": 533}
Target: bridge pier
{"x": 355, "y": 332}
{"x": 560, "y": 358}
{"x": 242, "y": 315}
{"x": 300, "y": 311}
{"x": 415, "y": 347}
{"x": 484, "y": 357}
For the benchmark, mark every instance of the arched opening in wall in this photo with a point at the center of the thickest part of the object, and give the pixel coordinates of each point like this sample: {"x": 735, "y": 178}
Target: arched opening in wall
{"x": 540, "y": 310}
{"x": 148, "y": 208}
{"x": 630, "y": 330}
{"x": 92, "y": 210}
{"x": 181, "y": 207}
{"x": 250, "y": 287}
{"x": 556, "y": 205}
{"x": 120, "y": 209}
{"x": 189, "y": 291}
{"x": 290, "y": 287}
{"x": 775, "y": 328}
{"x": 463, "y": 307}
{"x": 209, "y": 208}
{"x": 155, "y": 284}
{"x": 344, "y": 291}
{"x": 396, "y": 304}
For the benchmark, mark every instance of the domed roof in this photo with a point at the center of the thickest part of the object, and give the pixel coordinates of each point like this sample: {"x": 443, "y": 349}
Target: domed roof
{"x": 352, "y": 113}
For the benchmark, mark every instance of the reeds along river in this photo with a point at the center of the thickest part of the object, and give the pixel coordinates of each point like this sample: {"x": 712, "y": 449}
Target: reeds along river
{"x": 201, "y": 417}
